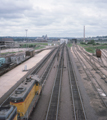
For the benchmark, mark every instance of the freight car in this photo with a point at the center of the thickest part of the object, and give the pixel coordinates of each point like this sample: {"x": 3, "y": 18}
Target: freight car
{"x": 26, "y": 96}
{"x": 18, "y": 58}
{"x": 2, "y": 61}
{"x": 11, "y": 61}
{"x": 98, "y": 53}
{"x": 8, "y": 113}
{"x": 8, "y": 58}
{"x": 30, "y": 53}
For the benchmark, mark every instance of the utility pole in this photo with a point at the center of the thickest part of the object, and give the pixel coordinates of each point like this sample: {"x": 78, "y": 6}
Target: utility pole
{"x": 84, "y": 34}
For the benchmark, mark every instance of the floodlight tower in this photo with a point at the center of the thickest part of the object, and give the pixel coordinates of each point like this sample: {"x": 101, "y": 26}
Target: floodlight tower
{"x": 26, "y": 33}
{"x": 84, "y": 34}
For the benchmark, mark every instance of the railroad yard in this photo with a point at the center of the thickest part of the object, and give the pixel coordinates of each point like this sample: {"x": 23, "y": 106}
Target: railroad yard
{"x": 94, "y": 78}
{"x": 72, "y": 85}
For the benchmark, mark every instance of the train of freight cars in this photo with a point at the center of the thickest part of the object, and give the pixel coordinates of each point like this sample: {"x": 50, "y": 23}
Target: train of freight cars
{"x": 11, "y": 61}
{"x": 22, "y": 100}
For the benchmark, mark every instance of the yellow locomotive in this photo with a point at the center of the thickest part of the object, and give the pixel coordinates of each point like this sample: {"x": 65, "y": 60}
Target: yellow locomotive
{"x": 26, "y": 96}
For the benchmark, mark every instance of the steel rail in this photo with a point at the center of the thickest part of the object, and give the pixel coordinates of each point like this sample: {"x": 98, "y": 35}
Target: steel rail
{"x": 105, "y": 57}
{"x": 94, "y": 66}
{"x": 79, "y": 111}
{"x": 95, "y": 84}
{"x": 49, "y": 67}
{"x": 35, "y": 68}
{"x": 95, "y": 59}
{"x": 103, "y": 54}
{"x": 52, "y": 111}
{"x": 62, "y": 65}
{"x": 43, "y": 62}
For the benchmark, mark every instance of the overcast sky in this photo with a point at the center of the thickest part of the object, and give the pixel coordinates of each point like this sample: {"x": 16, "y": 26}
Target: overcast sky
{"x": 56, "y": 18}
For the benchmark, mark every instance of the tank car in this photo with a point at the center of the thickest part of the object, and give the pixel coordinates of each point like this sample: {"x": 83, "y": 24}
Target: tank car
{"x": 98, "y": 53}
{"x": 8, "y": 113}
{"x": 26, "y": 96}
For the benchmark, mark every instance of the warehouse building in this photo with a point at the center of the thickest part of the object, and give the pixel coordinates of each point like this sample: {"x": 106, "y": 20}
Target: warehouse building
{"x": 6, "y": 42}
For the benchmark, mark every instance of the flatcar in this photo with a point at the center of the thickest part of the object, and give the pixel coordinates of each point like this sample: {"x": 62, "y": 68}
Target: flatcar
{"x": 26, "y": 96}
{"x": 98, "y": 53}
{"x": 8, "y": 113}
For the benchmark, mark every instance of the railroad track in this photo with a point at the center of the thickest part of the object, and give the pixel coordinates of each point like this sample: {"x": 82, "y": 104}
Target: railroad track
{"x": 95, "y": 67}
{"x": 57, "y": 59}
{"x": 54, "y": 104}
{"x": 105, "y": 57}
{"x": 43, "y": 62}
{"x": 79, "y": 112}
{"x": 34, "y": 70}
{"x": 49, "y": 67}
{"x": 102, "y": 94}
{"x": 53, "y": 107}
{"x": 99, "y": 61}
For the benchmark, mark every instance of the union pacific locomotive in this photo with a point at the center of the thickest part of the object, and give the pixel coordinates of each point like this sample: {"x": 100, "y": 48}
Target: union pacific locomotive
{"x": 25, "y": 97}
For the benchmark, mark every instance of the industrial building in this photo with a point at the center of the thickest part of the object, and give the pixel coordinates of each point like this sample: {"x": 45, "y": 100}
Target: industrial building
{"x": 63, "y": 40}
{"x": 6, "y": 42}
{"x": 42, "y": 39}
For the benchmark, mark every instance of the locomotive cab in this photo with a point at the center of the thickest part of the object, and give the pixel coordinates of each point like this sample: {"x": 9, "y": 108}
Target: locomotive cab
{"x": 37, "y": 84}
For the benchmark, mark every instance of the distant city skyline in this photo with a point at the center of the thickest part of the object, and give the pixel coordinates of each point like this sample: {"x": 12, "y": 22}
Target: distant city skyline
{"x": 56, "y": 18}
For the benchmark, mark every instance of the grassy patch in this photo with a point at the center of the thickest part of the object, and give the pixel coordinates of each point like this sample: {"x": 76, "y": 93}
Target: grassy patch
{"x": 92, "y": 48}
{"x": 69, "y": 45}
{"x": 39, "y": 47}
{"x": 89, "y": 49}
{"x": 10, "y": 52}
{"x": 30, "y": 45}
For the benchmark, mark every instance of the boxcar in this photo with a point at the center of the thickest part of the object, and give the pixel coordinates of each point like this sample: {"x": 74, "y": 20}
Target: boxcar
{"x": 30, "y": 53}
{"x": 98, "y": 53}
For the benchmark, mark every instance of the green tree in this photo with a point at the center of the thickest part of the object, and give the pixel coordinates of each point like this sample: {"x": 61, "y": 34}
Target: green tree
{"x": 91, "y": 42}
